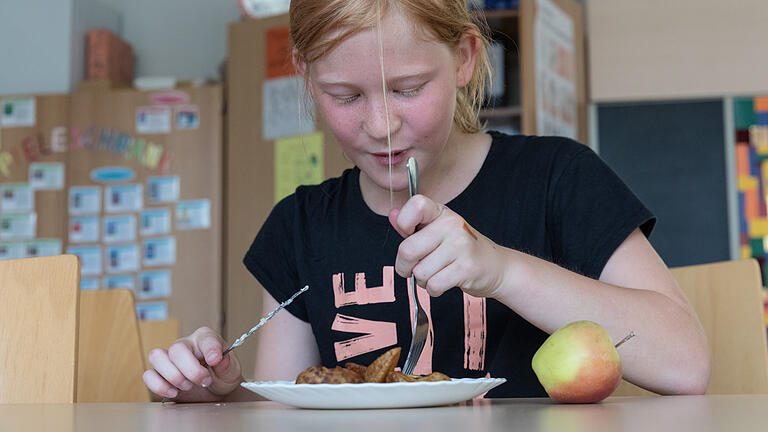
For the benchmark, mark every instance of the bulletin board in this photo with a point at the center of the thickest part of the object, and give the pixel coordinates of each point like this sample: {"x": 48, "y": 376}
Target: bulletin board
{"x": 32, "y": 175}
{"x": 672, "y": 155}
{"x": 144, "y": 189}
{"x": 130, "y": 182}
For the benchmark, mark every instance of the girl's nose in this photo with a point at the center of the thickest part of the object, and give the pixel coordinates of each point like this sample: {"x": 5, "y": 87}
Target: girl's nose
{"x": 375, "y": 119}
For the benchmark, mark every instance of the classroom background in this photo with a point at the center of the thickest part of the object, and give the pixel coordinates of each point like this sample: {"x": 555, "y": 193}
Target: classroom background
{"x": 152, "y": 138}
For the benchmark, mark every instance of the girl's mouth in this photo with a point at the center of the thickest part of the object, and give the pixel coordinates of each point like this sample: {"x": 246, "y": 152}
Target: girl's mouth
{"x": 398, "y": 156}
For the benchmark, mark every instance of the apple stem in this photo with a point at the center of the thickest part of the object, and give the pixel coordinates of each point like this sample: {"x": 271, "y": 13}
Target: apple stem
{"x": 626, "y": 338}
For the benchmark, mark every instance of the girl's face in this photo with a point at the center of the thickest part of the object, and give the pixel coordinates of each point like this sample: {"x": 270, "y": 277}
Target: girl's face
{"x": 422, "y": 78}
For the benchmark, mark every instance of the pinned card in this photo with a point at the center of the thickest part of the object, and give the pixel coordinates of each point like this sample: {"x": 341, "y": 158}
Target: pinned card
{"x": 46, "y": 176}
{"x": 187, "y": 117}
{"x": 163, "y": 189}
{"x": 12, "y": 250}
{"x": 18, "y": 225}
{"x": 286, "y": 109}
{"x": 16, "y": 198}
{"x": 43, "y": 248}
{"x": 120, "y": 229}
{"x": 298, "y": 161}
{"x": 90, "y": 259}
{"x": 193, "y": 214}
{"x": 84, "y": 229}
{"x": 154, "y": 284}
{"x": 17, "y": 112}
{"x": 153, "y": 119}
{"x": 156, "y": 221}
{"x": 153, "y": 311}
{"x": 123, "y": 198}
{"x": 84, "y": 200}
{"x": 119, "y": 282}
{"x": 159, "y": 251}
{"x": 122, "y": 259}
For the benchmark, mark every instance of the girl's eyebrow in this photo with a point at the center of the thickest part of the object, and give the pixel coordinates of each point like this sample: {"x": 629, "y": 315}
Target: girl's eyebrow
{"x": 391, "y": 81}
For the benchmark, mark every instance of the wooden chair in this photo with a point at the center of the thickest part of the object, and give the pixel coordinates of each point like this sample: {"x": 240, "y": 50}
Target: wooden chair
{"x": 727, "y": 296}
{"x": 157, "y": 334}
{"x": 110, "y": 363}
{"x": 38, "y": 329}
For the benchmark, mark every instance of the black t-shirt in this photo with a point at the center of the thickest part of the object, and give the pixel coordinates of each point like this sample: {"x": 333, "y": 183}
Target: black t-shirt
{"x": 549, "y": 197}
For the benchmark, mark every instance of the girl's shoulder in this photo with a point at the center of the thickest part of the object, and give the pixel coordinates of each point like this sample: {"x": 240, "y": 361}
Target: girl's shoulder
{"x": 535, "y": 144}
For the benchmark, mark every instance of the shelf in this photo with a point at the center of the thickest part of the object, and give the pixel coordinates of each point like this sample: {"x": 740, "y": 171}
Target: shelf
{"x": 500, "y": 14}
{"x": 513, "y": 111}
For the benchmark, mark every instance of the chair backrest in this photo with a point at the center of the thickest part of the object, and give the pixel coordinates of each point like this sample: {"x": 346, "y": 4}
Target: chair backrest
{"x": 728, "y": 299}
{"x": 110, "y": 361}
{"x": 38, "y": 329}
{"x": 157, "y": 334}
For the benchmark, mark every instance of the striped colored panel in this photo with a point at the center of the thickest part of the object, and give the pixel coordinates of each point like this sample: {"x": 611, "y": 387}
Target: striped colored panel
{"x": 758, "y": 227}
{"x": 742, "y": 159}
{"x": 761, "y": 104}
{"x": 757, "y": 247}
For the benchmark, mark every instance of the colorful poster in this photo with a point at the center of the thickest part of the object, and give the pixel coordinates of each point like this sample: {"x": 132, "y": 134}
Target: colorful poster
{"x": 160, "y": 251}
{"x": 46, "y": 176}
{"x": 89, "y": 284}
{"x": 154, "y": 284}
{"x": 287, "y": 110}
{"x": 12, "y": 250}
{"x": 555, "y": 63}
{"x": 122, "y": 259}
{"x": 154, "y": 311}
{"x": 187, "y": 117}
{"x": 18, "y": 225}
{"x": 122, "y": 281}
{"x": 17, "y": 112}
{"x": 90, "y": 259}
{"x": 153, "y": 119}
{"x": 278, "y": 52}
{"x": 298, "y": 161}
{"x": 119, "y": 229}
{"x": 84, "y": 200}
{"x": 193, "y": 214}
{"x": 156, "y": 221}
{"x": 123, "y": 198}
{"x": 163, "y": 189}
{"x": 16, "y": 198}
{"x": 84, "y": 229}
{"x": 43, "y": 247}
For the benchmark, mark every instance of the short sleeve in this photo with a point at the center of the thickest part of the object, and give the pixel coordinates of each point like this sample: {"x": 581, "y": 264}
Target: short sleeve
{"x": 272, "y": 256}
{"x": 592, "y": 213}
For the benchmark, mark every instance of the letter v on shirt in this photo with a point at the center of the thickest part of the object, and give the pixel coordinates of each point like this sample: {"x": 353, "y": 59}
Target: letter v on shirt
{"x": 376, "y": 335}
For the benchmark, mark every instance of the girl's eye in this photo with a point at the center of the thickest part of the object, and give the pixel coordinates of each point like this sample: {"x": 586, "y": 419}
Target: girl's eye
{"x": 346, "y": 99}
{"x": 409, "y": 92}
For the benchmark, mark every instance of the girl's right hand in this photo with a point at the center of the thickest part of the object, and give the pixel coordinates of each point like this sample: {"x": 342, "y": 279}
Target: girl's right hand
{"x": 193, "y": 369}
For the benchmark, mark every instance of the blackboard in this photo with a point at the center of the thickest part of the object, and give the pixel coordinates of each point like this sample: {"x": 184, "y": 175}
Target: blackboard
{"x": 672, "y": 155}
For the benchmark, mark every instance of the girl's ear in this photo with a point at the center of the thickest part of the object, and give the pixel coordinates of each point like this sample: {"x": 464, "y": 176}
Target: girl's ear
{"x": 298, "y": 63}
{"x": 467, "y": 50}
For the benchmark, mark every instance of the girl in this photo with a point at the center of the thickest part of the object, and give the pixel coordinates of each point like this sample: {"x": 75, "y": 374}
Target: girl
{"x": 517, "y": 236}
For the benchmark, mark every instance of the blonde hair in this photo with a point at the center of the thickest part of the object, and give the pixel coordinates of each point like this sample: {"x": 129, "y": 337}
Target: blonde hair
{"x": 311, "y": 21}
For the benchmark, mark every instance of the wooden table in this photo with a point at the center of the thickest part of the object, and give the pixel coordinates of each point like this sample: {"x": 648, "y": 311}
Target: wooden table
{"x": 656, "y": 414}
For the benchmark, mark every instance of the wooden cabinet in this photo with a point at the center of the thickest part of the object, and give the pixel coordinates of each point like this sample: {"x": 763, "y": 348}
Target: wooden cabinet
{"x": 544, "y": 73}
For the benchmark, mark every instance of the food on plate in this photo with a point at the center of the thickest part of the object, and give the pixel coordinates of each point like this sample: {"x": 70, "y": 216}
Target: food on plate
{"x": 395, "y": 376}
{"x": 324, "y": 375}
{"x": 382, "y": 370}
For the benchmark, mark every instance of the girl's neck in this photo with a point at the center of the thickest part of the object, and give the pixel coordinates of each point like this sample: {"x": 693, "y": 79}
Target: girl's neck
{"x": 455, "y": 168}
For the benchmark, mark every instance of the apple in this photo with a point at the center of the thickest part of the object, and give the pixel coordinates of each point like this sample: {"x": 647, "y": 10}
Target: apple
{"x": 579, "y": 363}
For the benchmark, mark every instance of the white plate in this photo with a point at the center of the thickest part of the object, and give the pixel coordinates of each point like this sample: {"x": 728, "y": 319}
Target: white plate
{"x": 373, "y": 395}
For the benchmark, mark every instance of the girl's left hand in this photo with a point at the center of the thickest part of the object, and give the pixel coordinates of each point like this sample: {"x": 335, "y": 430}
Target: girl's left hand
{"x": 445, "y": 252}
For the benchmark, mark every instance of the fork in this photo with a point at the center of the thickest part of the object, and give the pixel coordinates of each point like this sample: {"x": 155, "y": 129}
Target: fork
{"x": 421, "y": 323}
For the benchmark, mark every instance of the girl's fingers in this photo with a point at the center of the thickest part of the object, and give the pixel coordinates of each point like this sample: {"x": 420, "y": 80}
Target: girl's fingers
{"x": 180, "y": 354}
{"x": 417, "y": 211}
{"x": 433, "y": 263}
{"x": 158, "y": 385}
{"x": 445, "y": 279}
{"x": 210, "y": 346}
{"x": 163, "y": 365}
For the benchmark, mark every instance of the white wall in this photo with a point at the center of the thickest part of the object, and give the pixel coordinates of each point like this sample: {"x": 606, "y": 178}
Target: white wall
{"x": 183, "y": 38}
{"x": 42, "y": 41}
{"x": 34, "y": 54}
